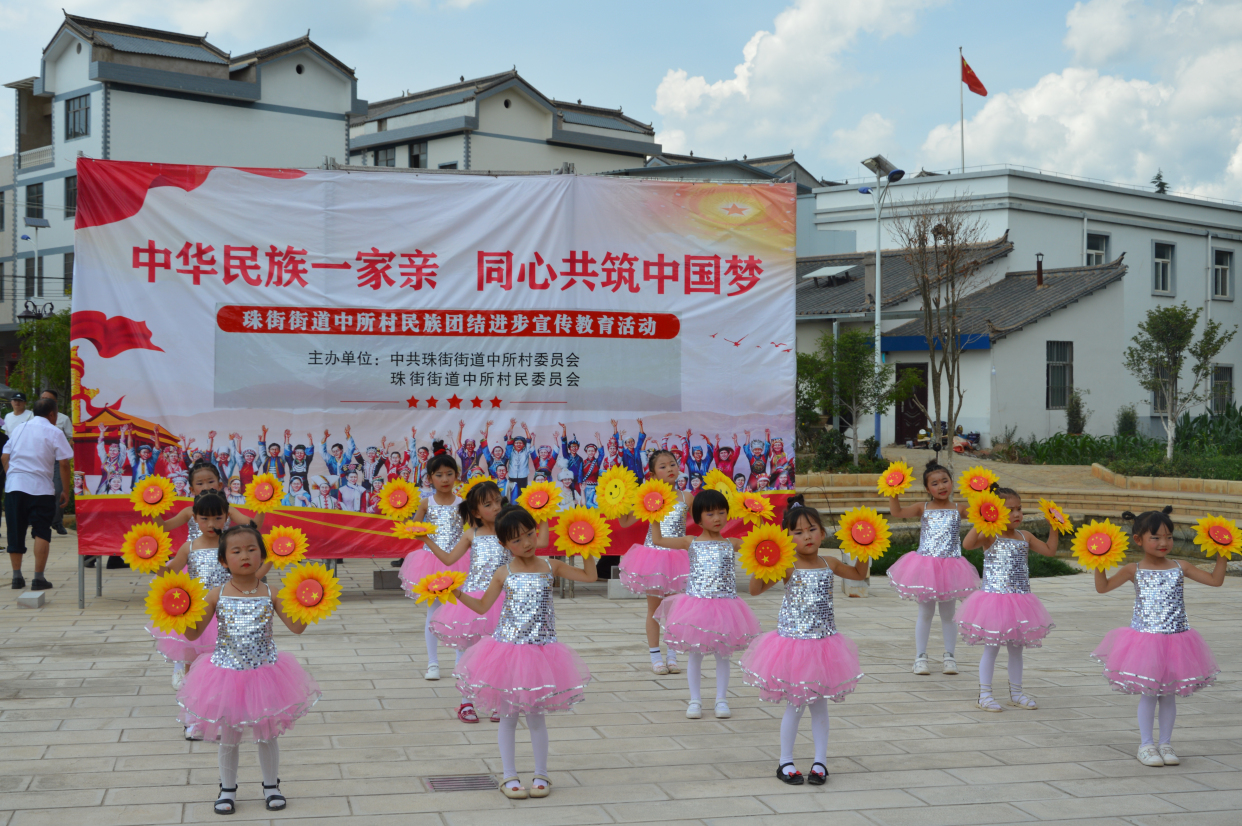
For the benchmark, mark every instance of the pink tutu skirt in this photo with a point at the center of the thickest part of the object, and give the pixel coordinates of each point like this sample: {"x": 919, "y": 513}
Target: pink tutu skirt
{"x": 421, "y": 563}
{"x": 798, "y": 671}
{"x": 933, "y": 578}
{"x": 457, "y": 626}
{"x": 1137, "y": 662}
{"x": 999, "y": 619}
{"x": 657, "y": 572}
{"x": 710, "y": 626}
{"x": 175, "y": 648}
{"x": 267, "y": 700}
{"x": 507, "y": 678}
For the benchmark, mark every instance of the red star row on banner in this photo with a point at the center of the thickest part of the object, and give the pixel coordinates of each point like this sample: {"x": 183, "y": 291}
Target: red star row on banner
{"x": 454, "y": 403}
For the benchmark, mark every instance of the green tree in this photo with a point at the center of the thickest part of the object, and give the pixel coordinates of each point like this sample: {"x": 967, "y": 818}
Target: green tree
{"x": 809, "y": 399}
{"x": 1162, "y": 186}
{"x": 44, "y": 360}
{"x": 1164, "y": 343}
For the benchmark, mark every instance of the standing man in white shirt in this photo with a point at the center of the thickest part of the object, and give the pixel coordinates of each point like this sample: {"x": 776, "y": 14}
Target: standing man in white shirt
{"x": 20, "y": 414}
{"x": 65, "y": 424}
{"x": 34, "y": 452}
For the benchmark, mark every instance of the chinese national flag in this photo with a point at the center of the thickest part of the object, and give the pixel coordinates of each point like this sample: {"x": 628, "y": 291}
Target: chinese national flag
{"x": 972, "y": 80}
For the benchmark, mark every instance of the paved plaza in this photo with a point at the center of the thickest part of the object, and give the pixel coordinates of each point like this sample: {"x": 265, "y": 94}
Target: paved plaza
{"x": 87, "y": 733}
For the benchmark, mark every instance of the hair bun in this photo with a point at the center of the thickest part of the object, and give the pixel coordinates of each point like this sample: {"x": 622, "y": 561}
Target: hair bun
{"x": 795, "y": 501}
{"x": 1128, "y": 516}
{"x": 1167, "y": 509}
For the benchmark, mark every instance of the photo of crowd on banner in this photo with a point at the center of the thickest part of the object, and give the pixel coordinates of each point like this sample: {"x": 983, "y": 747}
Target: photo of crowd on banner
{"x": 338, "y": 475}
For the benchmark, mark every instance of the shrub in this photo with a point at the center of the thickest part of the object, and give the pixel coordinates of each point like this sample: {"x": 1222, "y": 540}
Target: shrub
{"x": 1126, "y": 423}
{"x": 1076, "y": 414}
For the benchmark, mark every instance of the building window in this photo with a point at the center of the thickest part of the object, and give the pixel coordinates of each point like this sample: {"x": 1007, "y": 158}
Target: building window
{"x": 1159, "y": 401}
{"x": 68, "y": 273}
{"x": 2, "y": 211}
{"x": 34, "y": 282}
{"x": 34, "y": 201}
{"x": 1097, "y": 250}
{"x": 381, "y": 125}
{"x": 1222, "y": 274}
{"x": 418, "y": 156}
{"x": 1222, "y": 388}
{"x": 71, "y": 196}
{"x": 452, "y": 165}
{"x": 1162, "y": 269}
{"x": 78, "y": 117}
{"x": 386, "y": 157}
{"x": 1060, "y": 376}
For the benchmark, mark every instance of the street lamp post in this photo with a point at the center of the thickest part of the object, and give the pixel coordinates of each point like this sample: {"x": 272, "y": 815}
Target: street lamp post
{"x": 32, "y": 313}
{"x": 885, "y": 174}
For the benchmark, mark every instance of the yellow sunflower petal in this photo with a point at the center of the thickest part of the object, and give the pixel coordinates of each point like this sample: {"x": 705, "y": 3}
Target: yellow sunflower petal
{"x": 153, "y": 496}
{"x": 655, "y": 500}
{"x": 616, "y": 492}
{"x": 311, "y": 593}
{"x": 264, "y": 493}
{"x": 718, "y": 480}
{"x": 895, "y": 480}
{"x": 413, "y": 530}
{"x": 438, "y": 586}
{"x": 465, "y": 487}
{"x": 1216, "y": 535}
{"x": 1100, "y": 545}
{"x": 146, "y": 547}
{"x": 583, "y": 532}
{"x": 286, "y": 546}
{"x": 768, "y": 552}
{"x": 176, "y": 601}
{"x": 542, "y": 500}
{"x": 864, "y": 533}
{"x": 988, "y": 514}
{"x": 1055, "y": 516}
{"x": 751, "y": 507}
{"x": 976, "y": 480}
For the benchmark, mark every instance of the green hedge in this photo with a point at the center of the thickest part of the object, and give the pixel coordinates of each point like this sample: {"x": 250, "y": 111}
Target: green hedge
{"x": 1182, "y": 466}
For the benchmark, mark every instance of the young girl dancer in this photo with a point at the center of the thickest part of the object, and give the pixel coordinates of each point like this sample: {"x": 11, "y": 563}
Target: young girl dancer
{"x": 658, "y": 572}
{"x": 521, "y": 668}
{"x": 456, "y": 625}
{"x": 442, "y": 509}
{"x": 245, "y": 684}
{"x": 205, "y": 476}
{"x": 709, "y": 618}
{"x": 1005, "y": 612}
{"x": 1159, "y": 656}
{"x": 936, "y": 574}
{"x": 804, "y": 662}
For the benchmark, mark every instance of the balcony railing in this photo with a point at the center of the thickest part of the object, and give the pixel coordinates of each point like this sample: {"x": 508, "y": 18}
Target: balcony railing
{"x": 36, "y": 157}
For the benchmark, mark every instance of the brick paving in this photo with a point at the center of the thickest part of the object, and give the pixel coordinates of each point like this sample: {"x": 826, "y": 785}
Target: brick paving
{"x": 87, "y": 733}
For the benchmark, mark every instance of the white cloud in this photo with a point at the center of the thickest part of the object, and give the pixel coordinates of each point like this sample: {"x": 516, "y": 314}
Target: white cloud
{"x": 874, "y": 133}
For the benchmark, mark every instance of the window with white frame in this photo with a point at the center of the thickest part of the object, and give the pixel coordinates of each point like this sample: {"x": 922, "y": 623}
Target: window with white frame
{"x": 1222, "y": 272}
{"x": 386, "y": 157}
{"x": 1097, "y": 250}
{"x": 1060, "y": 374}
{"x": 1222, "y": 387}
{"x": 34, "y": 201}
{"x": 1162, "y": 268}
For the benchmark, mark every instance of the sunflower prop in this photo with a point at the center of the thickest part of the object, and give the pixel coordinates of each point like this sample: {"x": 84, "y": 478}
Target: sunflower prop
{"x": 176, "y": 601}
{"x": 311, "y": 593}
{"x": 1056, "y": 517}
{"x": 286, "y": 546}
{"x": 398, "y": 499}
{"x": 655, "y": 500}
{"x": 616, "y": 492}
{"x": 542, "y": 500}
{"x": 751, "y": 507}
{"x": 146, "y": 547}
{"x": 413, "y": 530}
{"x": 864, "y": 534}
{"x": 582, "y": 532}
{"x": 896, "y": 480}
{"x": 988, "y": 514}
{"x": 465, "y": 487}
{"x": 1216, "y": 535}
{"x": 718, "y": 480}
{"x": 975, "y": 481}
{"x": 1100, "y": 545}
{"x": 767, "y": 553}
{"x": 264, "y": 493}
{"x": 153, "y": 496}
{"x": 438, "y": 586}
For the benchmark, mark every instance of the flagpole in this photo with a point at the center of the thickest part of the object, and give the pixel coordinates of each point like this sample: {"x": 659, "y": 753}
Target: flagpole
{"x": 961, "y": 100}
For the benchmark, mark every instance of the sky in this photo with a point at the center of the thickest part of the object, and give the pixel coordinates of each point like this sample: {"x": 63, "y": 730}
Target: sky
{"x": 1107, "y": 89}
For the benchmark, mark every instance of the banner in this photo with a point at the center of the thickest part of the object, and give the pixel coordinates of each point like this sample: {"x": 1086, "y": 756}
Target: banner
{"x": 328, "y": 326}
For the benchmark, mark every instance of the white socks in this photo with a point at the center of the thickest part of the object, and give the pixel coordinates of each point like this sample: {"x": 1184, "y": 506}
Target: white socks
{"x": 694, "y": 674}
{"x": 507, "y": 739}
{"x": 1168, "y": 715}
{"x": 429, "y": 637}
{"x": 819, "y": 730}
{"x": 656, "y": 656}
{"x": 922, "y": 626}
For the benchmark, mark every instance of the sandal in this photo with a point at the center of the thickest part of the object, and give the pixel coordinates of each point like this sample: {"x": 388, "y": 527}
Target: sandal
{"x": 518, "y": 793}
{"x": 495, "y": 718}
{"x": 794, "y": 778}
{"x": 467, "y": 714}
{"x": 673, "y": 667}
{"x": 230, "y": 805}
{"x": 817, "y": 778}
{"x": 536, "y": 791}
{"x": 1019, "y": 700}
{"x": 986, "y": 701}
{"x": 660, "y": 668}
{"x": 275, "y": 802}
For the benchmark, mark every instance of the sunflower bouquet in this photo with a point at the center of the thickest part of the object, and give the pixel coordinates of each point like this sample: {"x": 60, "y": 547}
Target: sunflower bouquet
{"x": 988, "y": 514}
{"x": 767, "y": 553}
{"x": 1100, "y": 545}
{"x": 153, "y": 496}
{"x": 582, "y": 532}
{"x": 398, "y": 499}
{"x": 264, "y": 493}
{"x": 864, "y": 533}
{"x": 717, "y": 480}
{"x": 1216, "y": 535}
{"x": 286, "y": 546}
{"x": 176, "y": 601}
{"x": 1057, "y": 519}
{"x": 542, "y": 500}
{"x": 311, "y": 593}
{"x": 976, "y": 480}
{"x": 655, "y": 500}
{"x": 413, "y": 530}
{"x": 751, "y": 507}
{"x": 146, "y": 547}
{"x": 616, "y": 492}
{"x": 438, "y": 586}
{"x": 895, "y": 480}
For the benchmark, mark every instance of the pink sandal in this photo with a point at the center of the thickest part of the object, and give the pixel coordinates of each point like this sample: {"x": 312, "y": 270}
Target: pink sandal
{"x": 466, "y": 713}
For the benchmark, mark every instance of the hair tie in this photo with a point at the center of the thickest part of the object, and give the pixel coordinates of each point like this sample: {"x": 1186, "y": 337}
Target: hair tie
{"x": 796, "y": 505}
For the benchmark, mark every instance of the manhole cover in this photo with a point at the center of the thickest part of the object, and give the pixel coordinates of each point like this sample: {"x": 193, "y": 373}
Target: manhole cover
{"x": 463, "y": 783}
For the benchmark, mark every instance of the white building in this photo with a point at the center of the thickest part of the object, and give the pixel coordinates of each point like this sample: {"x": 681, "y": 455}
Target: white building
{"x": 500, "y": 122}
{"x": 118, "y": 92}
{"x": 1031, "y": 345}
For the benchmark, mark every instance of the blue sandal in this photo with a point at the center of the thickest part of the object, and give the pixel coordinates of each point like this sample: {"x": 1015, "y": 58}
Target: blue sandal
{"x": 230, "y": 805}
{"x": 275, "y": 802}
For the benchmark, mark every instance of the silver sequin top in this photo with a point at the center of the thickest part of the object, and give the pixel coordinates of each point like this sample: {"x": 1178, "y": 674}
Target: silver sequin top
{"x": 1004, "y": 567}
{"x": 1159, "y": 601}
{"x": 244, "y": 633}
{"x": 806, "y": 613}
{"x": 527, "y": 617}
{"x": 204, "y": 565}
{"x": 486, "y": 555}
{"x": 194, "y": 531}
{"x": 939, "y": 535}
{"x": 447, "y": 520}
{"x": 673, "y": 525}
{"x": 713, "y": 572}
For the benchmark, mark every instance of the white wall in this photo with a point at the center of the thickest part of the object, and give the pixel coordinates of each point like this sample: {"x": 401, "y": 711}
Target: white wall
{"x": 320, "y": 87}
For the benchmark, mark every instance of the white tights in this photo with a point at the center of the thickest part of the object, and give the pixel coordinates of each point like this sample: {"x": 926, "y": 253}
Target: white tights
{"x": 269, "y": 765}
{"x": 1168, "y": 715}
{"x": 922, "y": 626}
{"x": 819, "y": 730}
{"x": 507, "y": 738}
{"x": 694, "y": 674}
{"x": 429, "y": 636}
{"x": 987, "y": 666}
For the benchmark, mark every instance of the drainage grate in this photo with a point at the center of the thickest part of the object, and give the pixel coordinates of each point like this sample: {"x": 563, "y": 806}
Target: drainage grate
{"x": 463, "y": 783}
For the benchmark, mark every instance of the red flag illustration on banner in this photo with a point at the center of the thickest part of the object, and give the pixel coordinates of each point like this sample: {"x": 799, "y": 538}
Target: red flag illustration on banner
{"x": 972, "y": 81}
{"x": 111, "y": 334}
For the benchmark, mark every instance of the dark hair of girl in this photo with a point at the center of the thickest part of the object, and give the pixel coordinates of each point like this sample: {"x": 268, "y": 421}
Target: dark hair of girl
{"x": 707, "y": 501}
{"x": 1149, "y": 521}
{"x": 1004, "y": 493}
{"x": 222, "y": 554}
{"x": 211, "y": 503}
{"x": 512, "y": 522}
{"x": 442, "y": 460}
{"x": 932, "y": 467}
{"x": 475, "y": 499}
{"x": 207, "y": 466}
{"x": 797, "y": 511}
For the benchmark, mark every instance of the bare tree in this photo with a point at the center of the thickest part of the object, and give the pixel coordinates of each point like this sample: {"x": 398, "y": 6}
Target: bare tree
{"x": 941, "y": 241}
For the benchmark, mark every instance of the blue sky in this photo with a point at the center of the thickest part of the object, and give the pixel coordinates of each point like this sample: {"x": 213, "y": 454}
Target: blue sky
{"x": 1111, "y": 89}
